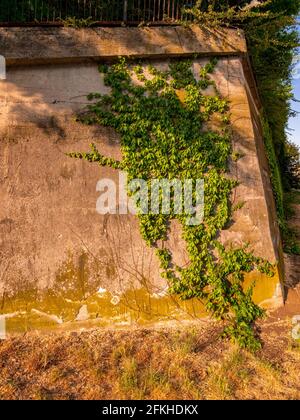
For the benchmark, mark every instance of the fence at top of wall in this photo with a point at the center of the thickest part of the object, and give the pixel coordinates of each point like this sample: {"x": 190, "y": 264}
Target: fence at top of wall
{"x": 18, "y": 12}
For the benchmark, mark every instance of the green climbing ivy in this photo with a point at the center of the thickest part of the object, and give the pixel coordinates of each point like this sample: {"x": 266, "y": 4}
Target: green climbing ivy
{"x": 162, "y": 119}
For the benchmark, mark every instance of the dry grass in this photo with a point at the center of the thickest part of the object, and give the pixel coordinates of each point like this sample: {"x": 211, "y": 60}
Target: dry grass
{"x": 148, "y": 364}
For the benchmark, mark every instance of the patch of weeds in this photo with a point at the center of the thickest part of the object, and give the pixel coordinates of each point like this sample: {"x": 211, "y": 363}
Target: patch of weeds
{"x": 128, "y": 378}
{"x": 186, "y": 342}
{"x": 73, "y": 22}
{"x": 224, "y": 378}
{"x": 153, "y": 380}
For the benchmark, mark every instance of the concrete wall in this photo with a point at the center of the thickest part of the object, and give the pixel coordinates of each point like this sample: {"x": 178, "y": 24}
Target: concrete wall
{"x": 56, "y": 252}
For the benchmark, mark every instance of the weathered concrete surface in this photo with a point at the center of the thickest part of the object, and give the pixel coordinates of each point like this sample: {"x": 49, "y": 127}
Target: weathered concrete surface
{"x": 56, "y": 253}
{"x": 40, "y": 45}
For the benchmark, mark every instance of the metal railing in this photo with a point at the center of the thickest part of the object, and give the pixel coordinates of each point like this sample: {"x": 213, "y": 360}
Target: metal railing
{"x": 98, "y": 11}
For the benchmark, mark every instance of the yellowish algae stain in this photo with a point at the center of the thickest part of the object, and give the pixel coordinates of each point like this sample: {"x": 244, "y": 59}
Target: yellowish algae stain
{"x": 134, "y": 307}
{"x": 267, "y": 289}
{"x": 75, "y": 290}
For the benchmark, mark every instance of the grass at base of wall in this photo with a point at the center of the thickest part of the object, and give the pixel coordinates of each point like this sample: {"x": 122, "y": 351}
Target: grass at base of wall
{"x": 187, "y": 363}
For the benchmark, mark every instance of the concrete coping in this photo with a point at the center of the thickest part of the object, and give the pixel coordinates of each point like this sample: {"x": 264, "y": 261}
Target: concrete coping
{"x": 41, "y": 45}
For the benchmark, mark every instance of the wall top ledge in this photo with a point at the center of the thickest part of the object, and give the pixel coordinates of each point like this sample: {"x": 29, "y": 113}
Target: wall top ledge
{"x": 21, "y": 46}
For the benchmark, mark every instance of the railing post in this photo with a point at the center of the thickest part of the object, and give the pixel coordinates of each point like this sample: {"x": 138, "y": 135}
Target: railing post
{"x": 125, "y": 11}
